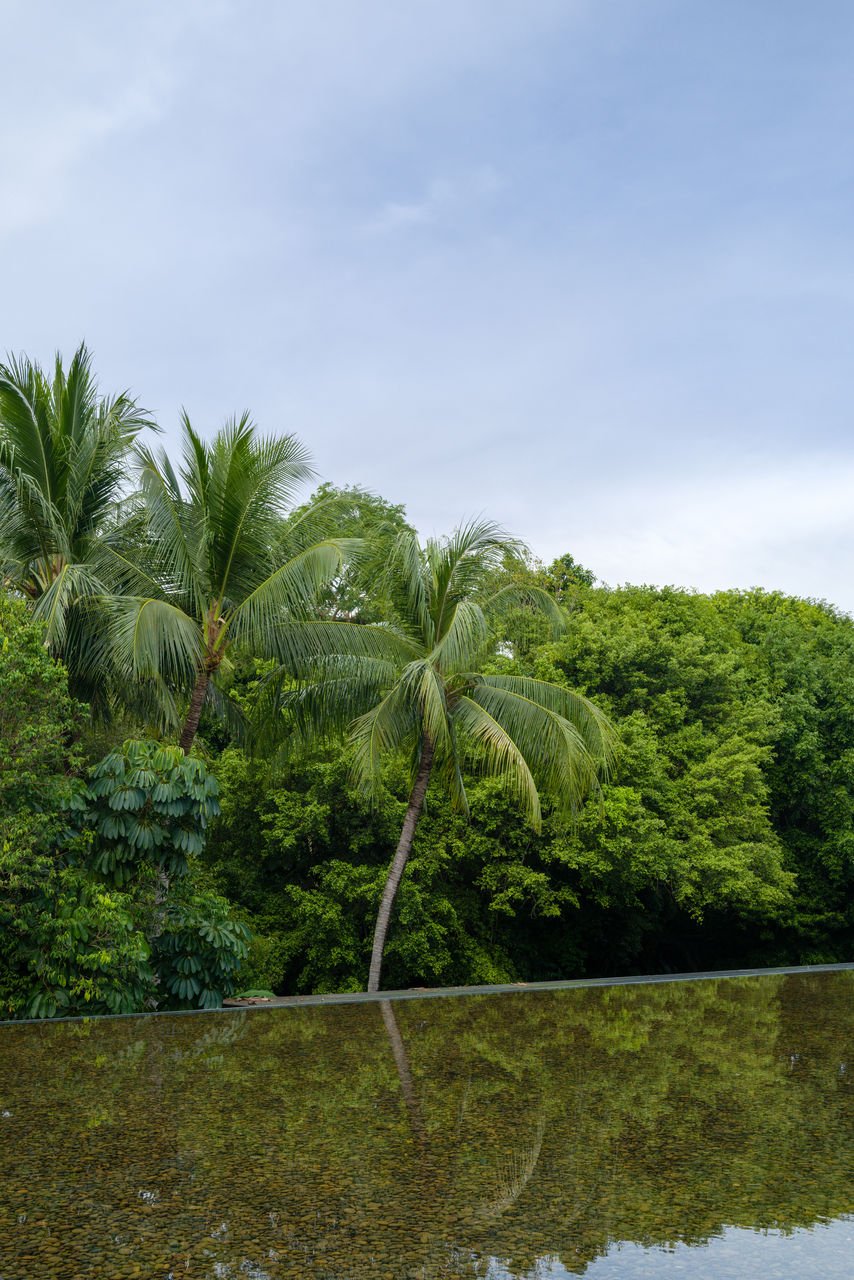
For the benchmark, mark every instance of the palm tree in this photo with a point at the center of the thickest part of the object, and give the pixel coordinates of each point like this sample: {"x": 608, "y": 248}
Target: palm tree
{"x": 218, "y": 566}
{"x": 415, "y": 687}
{"x": 63, "y": 466}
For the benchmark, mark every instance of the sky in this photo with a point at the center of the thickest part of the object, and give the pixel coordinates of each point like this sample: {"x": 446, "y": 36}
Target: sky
{"x": 584, "y": 266}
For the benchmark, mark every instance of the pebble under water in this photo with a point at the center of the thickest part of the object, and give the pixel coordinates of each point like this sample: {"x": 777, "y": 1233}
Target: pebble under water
{"x": 702, "y": 1130}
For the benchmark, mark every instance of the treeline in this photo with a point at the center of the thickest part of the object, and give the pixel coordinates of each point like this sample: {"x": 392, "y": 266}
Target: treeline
{"x": 218, "y": 708}
{"x": 723, "y": 840}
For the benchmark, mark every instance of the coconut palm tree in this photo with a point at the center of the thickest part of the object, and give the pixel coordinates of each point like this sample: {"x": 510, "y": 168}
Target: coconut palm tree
{"x": 217, "y": 566}
{"x": 416, "y": 687}
{"x": 63, "y": 467}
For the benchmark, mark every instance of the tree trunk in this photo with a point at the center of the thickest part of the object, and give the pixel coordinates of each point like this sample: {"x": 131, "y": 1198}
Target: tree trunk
{"x": 400, "y": 859}
{"x": 197, "y": 701}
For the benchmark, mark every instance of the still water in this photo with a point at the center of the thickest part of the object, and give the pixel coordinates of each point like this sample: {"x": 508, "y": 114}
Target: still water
{"x": 700, "y": 1130}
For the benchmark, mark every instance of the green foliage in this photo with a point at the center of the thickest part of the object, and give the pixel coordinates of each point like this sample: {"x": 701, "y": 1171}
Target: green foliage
{"x": 565, "y": 575}
{"x": 143, "y": 826}
{"x": 147, "y": 805}
{"x": 395, "y": 686}
{"x": 357, "y": 591}
{"x": 216, "y": 567}
{"x": 37, "y": 715}
{"x": 63, "y": 466}
{"x": 88, "y": 921}
{"x": 199, "y": 951}
{"x": 800, "y": 655}
{"x": 723, "y": 840}
{"x": 66, "y": 943}
{"x": 273, "y": 851}
{"x": 725, "y": 837}
{"x": 689, "y": 821}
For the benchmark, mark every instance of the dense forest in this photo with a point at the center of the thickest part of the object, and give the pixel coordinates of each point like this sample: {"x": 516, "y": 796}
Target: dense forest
{"x": 224, "y": 712}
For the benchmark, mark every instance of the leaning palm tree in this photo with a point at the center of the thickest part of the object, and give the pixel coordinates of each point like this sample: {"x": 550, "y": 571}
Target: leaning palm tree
{"x": 416, "y": 688}
{"x": 63, "y": 466}
{"x": 213, "y": 570}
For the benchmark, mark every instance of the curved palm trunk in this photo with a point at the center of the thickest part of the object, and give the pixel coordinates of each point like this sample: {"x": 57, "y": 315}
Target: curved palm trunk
{"x": 400, "y": 859}
{"x": 194, "y": 715}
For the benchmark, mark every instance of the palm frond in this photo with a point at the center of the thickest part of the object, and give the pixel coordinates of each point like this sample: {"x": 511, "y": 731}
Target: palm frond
{"x": 73, "y": 395}
{"x": 123, "y": 576}
{"x": 24, "y": 428}
{"x": 461, "y": 563}
{"x": 406, "y": 584}
{"x": 227, "y": 711}
{"x": 520, "y": 595}
{"x": 31, "y": 527}
{"x": 300, "y": 645}
{"x": 595, "y": 729}
{"x": 177, "y": 532}
{"x": 464, "y": 638}
{"x": 553, "y": 748}
{"x": 288, "y": 593}
{"x": 196, "y": 469}
{"x": 73, "y": 583}
{"x": 449, "y": 770}
{"x": 252, "y": 481}
{"x": 327, "y": 706}
{"x": 390, "y": 726}
{"x": 422, "y": 686}
{"x": 154, "y": 639}
{"x": 496, "y": 752}
{"x": 319, "y": 520}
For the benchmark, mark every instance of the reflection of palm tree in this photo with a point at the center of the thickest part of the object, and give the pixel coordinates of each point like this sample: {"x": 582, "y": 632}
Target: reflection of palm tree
{"x": 404, "y": 1072}
{"x": 513, "y": 1175}
{"x": 515, "y": 1172}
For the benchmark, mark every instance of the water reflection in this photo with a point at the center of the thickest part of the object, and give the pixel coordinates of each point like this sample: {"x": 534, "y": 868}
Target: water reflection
{"x": 492, "y": 1137}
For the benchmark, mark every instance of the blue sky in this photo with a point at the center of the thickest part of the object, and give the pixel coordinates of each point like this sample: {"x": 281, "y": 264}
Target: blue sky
{"x": 584, "y": 266}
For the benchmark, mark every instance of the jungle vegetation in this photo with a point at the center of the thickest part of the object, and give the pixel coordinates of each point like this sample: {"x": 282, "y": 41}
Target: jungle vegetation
{"x": 248, "y": 743}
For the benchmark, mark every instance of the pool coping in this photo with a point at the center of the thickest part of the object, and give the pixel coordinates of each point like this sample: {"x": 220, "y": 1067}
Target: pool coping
{"x": 432, "y": 993}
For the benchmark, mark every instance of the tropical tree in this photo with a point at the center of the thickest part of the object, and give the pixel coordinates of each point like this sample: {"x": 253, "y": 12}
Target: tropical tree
{"x": 217, "y": 566}
{"x": 415, "y": 687}
{"x": 63, "y": 465}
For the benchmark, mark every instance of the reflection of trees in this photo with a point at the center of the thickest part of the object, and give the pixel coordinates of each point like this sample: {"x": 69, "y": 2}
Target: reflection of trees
{"x": 329, "y": 1142}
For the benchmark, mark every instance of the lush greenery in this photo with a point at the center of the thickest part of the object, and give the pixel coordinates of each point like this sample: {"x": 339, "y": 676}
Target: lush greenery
{"x": 602, "y": 780}
{"x": 724, "y": 838}
{"x": 63, "y": 459}
{"x": 417, "y": 692}
{"x": 103, "y": 907}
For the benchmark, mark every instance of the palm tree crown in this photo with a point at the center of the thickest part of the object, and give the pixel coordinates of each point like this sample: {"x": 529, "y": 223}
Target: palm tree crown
{"x": 63, "y": 465}
{"x": 213, "y": 570}
{"x": 416, "y": 687}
